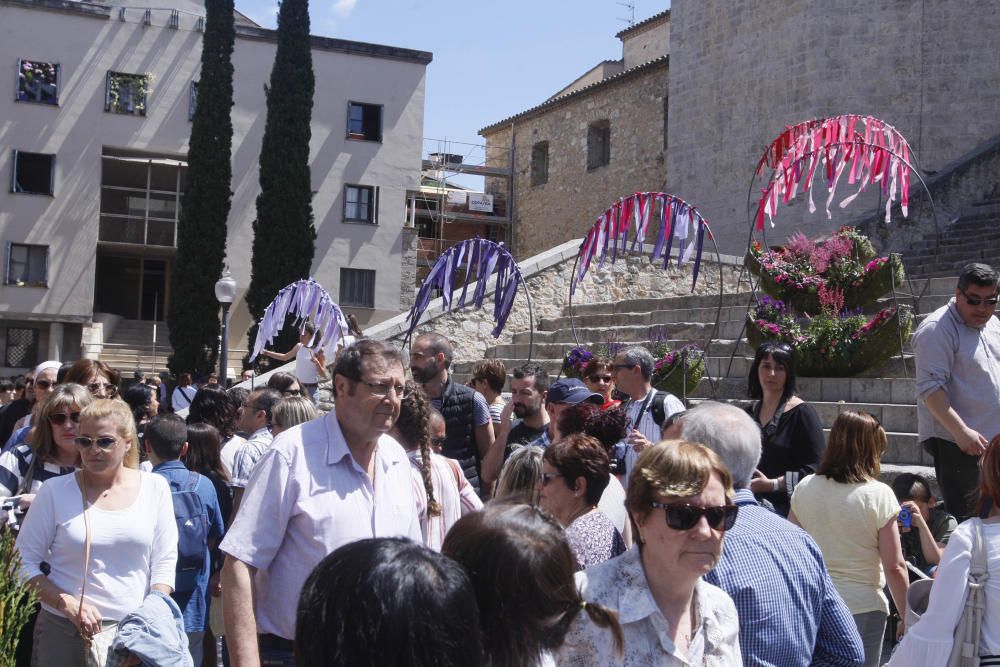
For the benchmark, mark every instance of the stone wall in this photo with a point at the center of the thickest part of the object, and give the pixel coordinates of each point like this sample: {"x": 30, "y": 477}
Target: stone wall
{"x": 741, "y": 71}
{"x": 567, "y": 205}
{"x": 547, "y": 276}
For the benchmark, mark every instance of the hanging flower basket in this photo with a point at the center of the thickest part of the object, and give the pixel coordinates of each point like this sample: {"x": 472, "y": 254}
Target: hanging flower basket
{"x": 679, "y": 371}
{"x": 859, "y": 343}
{"x": 576, "y": 361}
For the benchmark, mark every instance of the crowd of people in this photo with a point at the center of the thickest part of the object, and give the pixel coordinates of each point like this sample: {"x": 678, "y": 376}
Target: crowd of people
{"x": 422, "y": 521}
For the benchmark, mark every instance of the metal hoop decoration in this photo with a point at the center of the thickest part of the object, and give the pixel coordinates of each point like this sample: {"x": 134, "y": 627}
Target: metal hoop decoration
{"x": 678, "y": 219}
{"x": 481, "y": 259}
{"x": 306, "y": 300}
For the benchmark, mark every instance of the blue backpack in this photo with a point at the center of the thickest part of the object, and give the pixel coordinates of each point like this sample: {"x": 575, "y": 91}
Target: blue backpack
{"x": 192, "y": 534}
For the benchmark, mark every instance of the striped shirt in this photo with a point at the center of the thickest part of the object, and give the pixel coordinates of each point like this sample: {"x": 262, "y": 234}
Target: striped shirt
{"x": 14, "y": 465}
{"x": 454, "y": 493}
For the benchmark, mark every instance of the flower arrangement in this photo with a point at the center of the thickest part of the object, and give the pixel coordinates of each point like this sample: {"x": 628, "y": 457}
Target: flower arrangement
{"x": 576, "y": 361}
{"x": 845, "y": 261}
{"x": 679, "y": 370}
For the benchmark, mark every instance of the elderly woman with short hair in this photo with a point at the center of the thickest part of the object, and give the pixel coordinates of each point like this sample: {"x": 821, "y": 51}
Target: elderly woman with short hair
{"x": 680, "y": 500}
{"x": 575, "y": 472}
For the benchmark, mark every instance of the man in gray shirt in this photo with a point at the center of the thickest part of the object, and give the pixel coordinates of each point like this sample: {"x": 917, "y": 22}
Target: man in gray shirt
{"x": 957, "y": 351}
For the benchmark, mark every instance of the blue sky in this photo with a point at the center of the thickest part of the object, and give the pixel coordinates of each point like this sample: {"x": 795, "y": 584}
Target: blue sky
{"x": 491, "y": 59}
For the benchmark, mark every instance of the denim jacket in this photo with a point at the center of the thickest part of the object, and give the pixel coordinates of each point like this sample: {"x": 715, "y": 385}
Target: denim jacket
{"x": 154, "y": 633}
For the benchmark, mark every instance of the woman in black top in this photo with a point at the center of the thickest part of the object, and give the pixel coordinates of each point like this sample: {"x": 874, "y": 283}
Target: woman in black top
{"x": 792, "y": 440}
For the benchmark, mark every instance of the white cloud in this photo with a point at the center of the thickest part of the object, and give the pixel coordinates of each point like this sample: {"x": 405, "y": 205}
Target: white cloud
{"x": 343, "y": 7}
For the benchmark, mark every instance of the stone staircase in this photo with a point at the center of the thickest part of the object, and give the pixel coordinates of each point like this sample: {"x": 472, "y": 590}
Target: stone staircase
{"x": 130, "y": 347}
{"x": 887, "y": 392}
{"x": 974, "y": 237}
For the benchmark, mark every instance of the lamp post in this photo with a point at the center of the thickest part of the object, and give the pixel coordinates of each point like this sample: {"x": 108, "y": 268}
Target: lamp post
{"x": 225, "y": 292}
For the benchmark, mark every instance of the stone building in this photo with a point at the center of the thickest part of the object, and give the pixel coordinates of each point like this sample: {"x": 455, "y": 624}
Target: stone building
{"x": 738, "y": 74}
{"x": 602, "y": 137}
{"x": 94, "y": 144}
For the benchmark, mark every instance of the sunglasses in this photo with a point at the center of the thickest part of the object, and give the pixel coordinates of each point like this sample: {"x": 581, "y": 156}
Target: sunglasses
{"x": 95, "y": 387}
{"x": 976, "y": 301}
{"x": 59, "y": 418}
{"x": 548, "y": 477}
{"x": 44, "y": 384}
{"x": 103, "y": 443}
{"x": 439, "y": 441}
{"x": 292, "y": 392}
{"x": 600, "y": 378}
{"x": 681, "y": 516}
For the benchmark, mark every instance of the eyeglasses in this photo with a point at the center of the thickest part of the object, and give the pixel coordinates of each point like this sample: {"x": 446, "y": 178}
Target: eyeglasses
{"x": 95, "y": 387}
{"x": 383, "y": 388}
{"x": 44, "y": 384}
{"x": 682, "y": 516}
{"x": 548, "y": 477}
{"x": 600, "y": 378}
{"x": 104, "y": 443}
{"x": 439, "y": 441}
{"x": 977, "y": 301}
{"x": 59, "y": 418}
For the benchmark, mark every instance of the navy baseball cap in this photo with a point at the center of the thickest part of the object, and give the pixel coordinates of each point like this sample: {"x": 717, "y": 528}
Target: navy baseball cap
{"x": 571, "y": 391}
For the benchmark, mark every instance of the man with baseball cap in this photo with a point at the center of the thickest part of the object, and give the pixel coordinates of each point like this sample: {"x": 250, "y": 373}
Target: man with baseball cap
{"x": 563, "y": 393}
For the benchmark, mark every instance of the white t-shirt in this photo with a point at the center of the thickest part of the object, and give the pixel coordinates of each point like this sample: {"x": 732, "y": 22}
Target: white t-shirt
{"x": 130, "y": 549}
{"x": 612, "y": 503}
{"x": 305, "y": 369}
{"x": 228, "y": 453}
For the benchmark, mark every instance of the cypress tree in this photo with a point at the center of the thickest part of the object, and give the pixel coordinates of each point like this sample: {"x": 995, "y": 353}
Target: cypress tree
{"x": 284, "y": 236}
{"x": 193, "y": 315}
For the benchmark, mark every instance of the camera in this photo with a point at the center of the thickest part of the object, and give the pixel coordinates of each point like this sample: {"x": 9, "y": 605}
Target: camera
{"x": 905, "y": 518}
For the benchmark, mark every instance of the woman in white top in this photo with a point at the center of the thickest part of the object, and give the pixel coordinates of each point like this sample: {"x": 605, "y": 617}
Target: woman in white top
{"x": 852, "y": 517}
{"x": 929, "y": 642}
{"x": 442, "y": 492}
{"x": 305, "y": 364}
{"x": 108, "y": 535}
{"x": 680, "y": 499}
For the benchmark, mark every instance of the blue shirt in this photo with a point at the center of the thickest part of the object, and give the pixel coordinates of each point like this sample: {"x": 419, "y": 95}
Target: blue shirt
{"x": 194, "y": 604}
{"x": 790, "y": 613}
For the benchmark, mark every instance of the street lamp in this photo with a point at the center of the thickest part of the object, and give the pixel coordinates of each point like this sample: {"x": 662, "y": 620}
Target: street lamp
{"x": 225, "y": 292}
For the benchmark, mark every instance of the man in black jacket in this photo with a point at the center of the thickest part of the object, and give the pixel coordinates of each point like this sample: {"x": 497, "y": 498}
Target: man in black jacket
{"x": 468, "y": 429}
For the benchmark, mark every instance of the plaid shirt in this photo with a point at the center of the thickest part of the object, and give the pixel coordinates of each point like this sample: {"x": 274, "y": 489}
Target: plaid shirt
{"x": 790, "y": 613}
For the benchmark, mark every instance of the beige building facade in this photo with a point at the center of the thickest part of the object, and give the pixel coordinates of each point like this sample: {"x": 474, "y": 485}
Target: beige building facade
{"x": 93, "y": 144}
{"x": 600, "y": 138}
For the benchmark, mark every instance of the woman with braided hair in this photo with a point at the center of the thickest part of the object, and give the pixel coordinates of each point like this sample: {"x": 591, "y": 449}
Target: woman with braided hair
{"x": 443, "y": 493}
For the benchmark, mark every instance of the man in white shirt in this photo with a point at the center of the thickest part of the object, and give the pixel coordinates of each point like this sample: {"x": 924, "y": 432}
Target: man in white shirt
{"x": 320, "y": 485}
{"x": 646, "y": 408}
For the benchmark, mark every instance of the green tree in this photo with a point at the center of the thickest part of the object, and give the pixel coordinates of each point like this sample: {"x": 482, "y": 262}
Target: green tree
{"x": 284, "y": 236}
{"x": 193, "y": 315}
{"x": 16, "y": 599}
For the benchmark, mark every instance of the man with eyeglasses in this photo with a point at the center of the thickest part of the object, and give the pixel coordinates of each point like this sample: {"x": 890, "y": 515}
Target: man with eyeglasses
{"x": 320, "y": 485}
{"x": 957, "y": 351}
{"x": 790, "y": 612}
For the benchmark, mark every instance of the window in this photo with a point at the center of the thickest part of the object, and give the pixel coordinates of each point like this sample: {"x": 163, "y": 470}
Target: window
{"x": 360, "y": 203}
{"x": 126, "y": 93}
{"x": 192, "y": 100}
{"x": 598, "y": 144}
{"x": 22, "y": 348}
{"x": 27, "y": 265}
{"x": 540, "y": 163}
{"x": 357, "y": 288}
{"x": 37, "y": 82}
{"x": 141, "y": 197}
{"x": 364, "y": 121}
{"x": 33, "y": 173}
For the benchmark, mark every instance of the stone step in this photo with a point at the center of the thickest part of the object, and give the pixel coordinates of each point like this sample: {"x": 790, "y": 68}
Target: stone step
{"x": 697, "y": 331}
{"x": 896, "y": 418}
{"x": 894, "y": 391}
{"x": 520, "y": 351}
{"x": 666, "y": 303}
{"x": 650, "y": 318}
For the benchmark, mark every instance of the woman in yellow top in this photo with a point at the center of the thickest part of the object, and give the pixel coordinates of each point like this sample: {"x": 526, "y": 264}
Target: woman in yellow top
{"x": 852, "y": 516}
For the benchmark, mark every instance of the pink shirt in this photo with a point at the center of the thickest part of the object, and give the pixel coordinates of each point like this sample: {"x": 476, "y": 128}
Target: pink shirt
{"x": 451, "y": 489}
{"x": 306, "y": 497}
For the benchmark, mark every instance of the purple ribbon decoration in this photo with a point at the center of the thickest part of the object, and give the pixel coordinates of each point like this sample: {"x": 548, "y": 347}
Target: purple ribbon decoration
{"x": 303, "y": 299}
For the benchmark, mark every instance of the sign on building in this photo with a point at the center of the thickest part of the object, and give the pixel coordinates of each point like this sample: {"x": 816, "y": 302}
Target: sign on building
{"x": 479, "y": 201}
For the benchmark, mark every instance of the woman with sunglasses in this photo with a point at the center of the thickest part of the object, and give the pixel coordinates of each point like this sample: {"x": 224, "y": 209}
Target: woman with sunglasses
{"x": 852, "y": 517}
{"x": 108, "y": 535}
{"x": 102, "y": 380}
{"x": 575, "y": 472}
{"x": 598, "y": 375}
{"x": 791, "y": 433}
{"x": 51, "y": 447}
{"x": 284, "y": 383}
{"x": 680, "y": 500}
{"x": 43, "y": 383}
